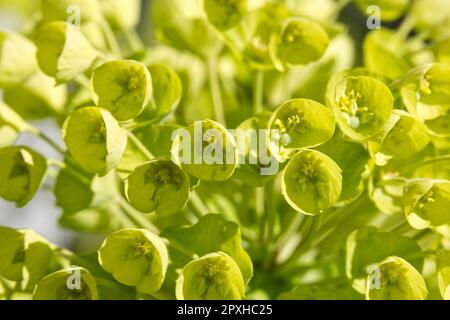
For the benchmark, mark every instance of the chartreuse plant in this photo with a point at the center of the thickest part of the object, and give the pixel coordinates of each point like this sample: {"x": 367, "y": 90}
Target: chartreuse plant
{"x": 231, "y": 149}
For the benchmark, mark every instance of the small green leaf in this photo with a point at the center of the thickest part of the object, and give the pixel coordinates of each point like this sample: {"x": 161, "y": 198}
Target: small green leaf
{"x": 312, "y": 182}
{"x": 25, "y": 256}
{"x": 215, "y": 276}
{"x": 382, "y": 54}
{"x": 367, "y": 246}
{"x": 124, "y": 87}
{"x": 63, "y": 51}
{"x": 158, "y": 185}
{"x": 135, "y": 258}
{"x": 398, "y": 281}
{"x": 94, "y": 139}
{"x": 222, "y": 235}
{"x": 22, "y": 172}
{"x": 37, "y": 97}
{"x": 225, "y": 14}
{"x": 11, "y": 124}
{"x": 73, "y": 283}
{"x": 167, "y": 90}
{"x": 14, "y": 67}
{"x": 424, "y": 200}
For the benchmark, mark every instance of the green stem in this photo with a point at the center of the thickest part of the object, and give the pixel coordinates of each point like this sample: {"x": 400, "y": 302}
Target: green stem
{"x": 83, "y": 81}
{"x": 412, "y": 167}
{"x": 258, "y": 97}
{"x": 122, "y": 217}
{"x": 48, "y": 140}
{"x": 111, "y": 38}
{"x": 405, "y": 28}
{"x": 214, "y": 86}
{"x": 137, "y": 216}
{"x": 134, "y": 40}
{"x": 197, "y": 205}
{"x": 259, "y": 209}
{"x": 143, "y": 149}
{"x": 70, "y": 170}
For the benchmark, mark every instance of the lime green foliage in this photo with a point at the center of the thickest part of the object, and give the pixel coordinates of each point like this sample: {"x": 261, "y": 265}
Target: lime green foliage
{"x": 312, "y": 182}
{"x": 215, "y": 276}
{"x": 227, "y": 149}
{"x": 22, "y": 173}
{"x": 55, "y": 286}
{"x": 135, "y": 258}
{"x": 94, "y": 139}
{"x": 160, "y": 186}
{"x": 399, "y": 281}
{"x": 122, "y": 87}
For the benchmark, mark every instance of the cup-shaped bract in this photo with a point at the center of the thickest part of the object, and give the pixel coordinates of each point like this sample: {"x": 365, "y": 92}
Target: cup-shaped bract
{"x": 425, "y": 92}
{"x": 363, "y": 249}
{"x": 135, "y": 257}
{"x": 361, "y": 104}
{"x": 300, "y": 41}
{"x": 160, "y": 186}
{"x": 389, "y": 10}
{"x": 382, "y": 51}
{"x": 17, "y": 58}
{"x": 122, "y": 15}
{"x": 167, "y": 90}
{"x": 225, "y": 14}
{"x": 11, "y": 124}
{"x": 215, "y": 276}
{"x": 63, "y": 52}
{"x": 94, "y": 139}
{"x": 405, "y": 137}
{"x": 301, "y": 123}
{"x": 73, "y": 283}
{"x": 37, "y": 97}
{"x": 124, "y": 87}
{"x": 424, "y": 200}
{"x": 207, "y": 151}
{"x": 257, "y": 164}
{"x": 61, "y": 10}
{"x": 312, "y": 182}
{"x": 397, "y": 280}
{"x": 22, "y": 171}
{"x": 25, "y": 256}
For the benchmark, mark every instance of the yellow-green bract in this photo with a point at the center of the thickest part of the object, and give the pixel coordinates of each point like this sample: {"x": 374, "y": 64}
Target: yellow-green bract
{"x": 22, "y": 172}
{"x": 135, "y": 257}
{"x": 424, "y": 200}
{"x": 124, "y": 87}
{"x": 73, "y": 283}
{"x": 213, "y": 155}
{"x": 11, "y": 124}
{"x": 58, "y": 10}
{"x": 398, "y": 280}
{"x": 15, "y": 67}
{"x": 302, "y": 123}
{"x": 312, "y": 182}
{"x": 95, "y": 139}
{"x": 122, "y": 15}
{"x": 361, "y": 104}
{"x": 160, "y": 186}
{"x": 225, "y": 14}
{"x": 443, "y": 275}
{"x": 25, "y": 256}
{"x": 389, "y": 10}
{"x": 215, "y": 276}
{"x": 299, "y": 41}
